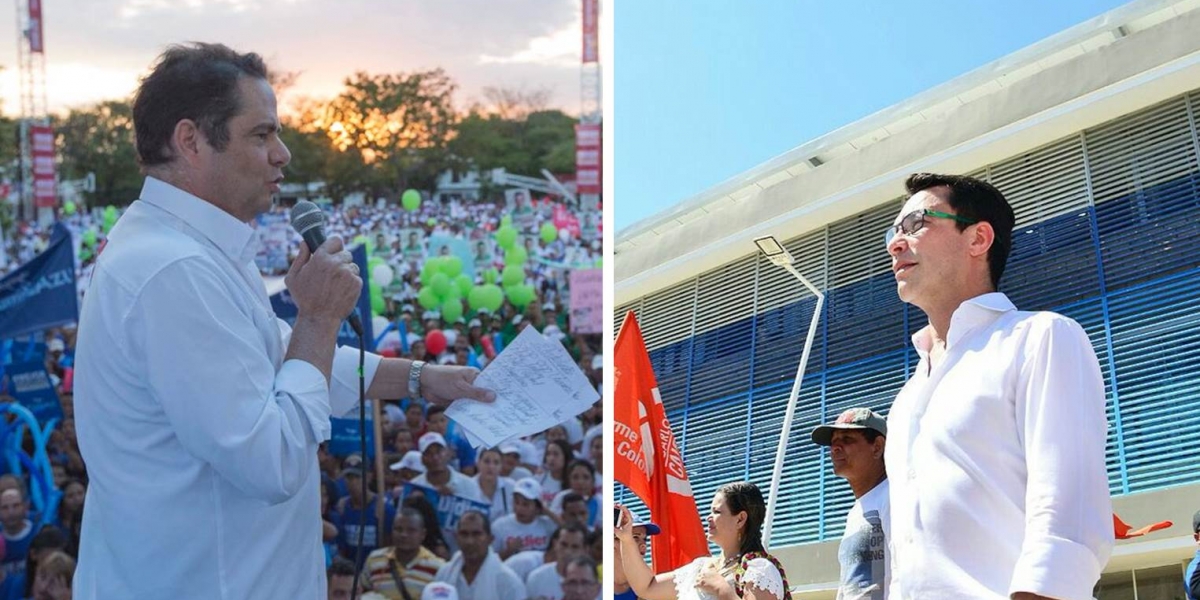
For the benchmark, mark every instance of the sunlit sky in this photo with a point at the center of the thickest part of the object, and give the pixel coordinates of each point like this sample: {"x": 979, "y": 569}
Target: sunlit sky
{"x": 97, "y": 49}
{"x": 707, "y": 89}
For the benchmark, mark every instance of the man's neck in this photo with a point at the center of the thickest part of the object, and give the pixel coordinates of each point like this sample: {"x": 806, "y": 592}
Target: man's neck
{"x": 471, "y": 568}
{"x": 361, "y": 502}
{"x": 862, "y": 486}
{"x": 942, "y": 312}
{"x": 12, "y": 532}
{"x": 406, "y": 556}
{"x": 438, "y": 477}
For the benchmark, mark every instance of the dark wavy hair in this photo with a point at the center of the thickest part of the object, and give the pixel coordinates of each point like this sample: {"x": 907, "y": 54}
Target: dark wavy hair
{"x": 979, "y": 201}
{"x": 743, "y": 496}
{"x": 568, "y": 457}
{"x": 197, "y": 82}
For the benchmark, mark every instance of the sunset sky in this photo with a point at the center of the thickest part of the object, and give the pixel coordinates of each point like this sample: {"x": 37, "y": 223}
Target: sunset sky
{"x": 97, "y": 49}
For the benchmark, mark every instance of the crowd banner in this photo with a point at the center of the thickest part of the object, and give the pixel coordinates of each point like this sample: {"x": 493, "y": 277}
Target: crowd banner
{"x": 41, "y": 293}
{"x": 449, "y": 508}
{"x": 587, "y": 301}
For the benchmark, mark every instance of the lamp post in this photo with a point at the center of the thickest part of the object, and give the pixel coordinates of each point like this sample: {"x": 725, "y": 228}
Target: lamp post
{"x": 777, "y": 254}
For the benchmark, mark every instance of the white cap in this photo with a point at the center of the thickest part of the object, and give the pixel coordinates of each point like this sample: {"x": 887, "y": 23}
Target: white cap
{"x": 438, "y": 590}
{"x": 451, "y": 337}
{"x": 529, "y": 488}
{"x": 549, "y": 306}
{"x": 475, "y": 323}
{"x": 431, "y": 315}
{"x": 517, "y": 320}
{"x": 597, "y": 361}
{"x": 552, "y": 332}
{"x": 411, "y": 461}
{"x": 430, "y": 439}
{"x": 56, "y": 345}
{"x": 510, "y": 448}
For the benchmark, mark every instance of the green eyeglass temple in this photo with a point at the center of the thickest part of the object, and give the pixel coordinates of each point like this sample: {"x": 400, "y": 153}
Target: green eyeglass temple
{"x": 892, "y": 231}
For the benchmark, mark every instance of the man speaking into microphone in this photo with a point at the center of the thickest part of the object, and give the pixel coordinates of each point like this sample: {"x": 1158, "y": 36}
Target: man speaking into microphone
{"x": 198, "y": 411}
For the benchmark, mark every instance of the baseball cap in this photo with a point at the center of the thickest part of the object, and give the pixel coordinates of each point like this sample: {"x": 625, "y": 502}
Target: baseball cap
{"x": 410, "y": 461}
{"x": 517, "y": 320}
{"x": 510, "y": 448}
{"x": 352, "y": 465}
{"x": 548, "y": 306}
{"x": 475, "y": 323}
{"x": 407, "y": 308}
{"x": 438, "y": 590}
{"x": 529, "y": 488}
{"x": 431, "y": 315}
{"x": 56, "y": 345}
{"x": 651, "y": 528}
{"x": 430, "y": 439}
{"x": 854, "y": 418}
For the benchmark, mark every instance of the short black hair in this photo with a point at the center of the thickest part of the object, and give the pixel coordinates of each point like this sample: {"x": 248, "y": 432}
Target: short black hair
{"x": 197, "y": 81}
{"x": 340, "y": 567}
{"x": 571, "y": 497}
{"x": 979, "y": 201}
{"x": 586, "y": 562}
{"x": 434, "y": 409}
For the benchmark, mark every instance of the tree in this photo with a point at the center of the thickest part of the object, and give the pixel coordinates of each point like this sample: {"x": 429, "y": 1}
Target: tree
{"x": 99, "y": 139}
{"x": 541, "y": 140}
{"x": 516, "y": 104}
{"x": 399, "y": 124}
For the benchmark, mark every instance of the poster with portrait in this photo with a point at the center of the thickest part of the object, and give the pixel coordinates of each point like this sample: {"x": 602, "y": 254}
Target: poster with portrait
{"x": 520, "y": 206}
{"x": 412, "y": 245}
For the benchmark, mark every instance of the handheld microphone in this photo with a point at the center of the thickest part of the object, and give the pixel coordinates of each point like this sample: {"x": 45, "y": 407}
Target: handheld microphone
{"x": 309, "y": 222}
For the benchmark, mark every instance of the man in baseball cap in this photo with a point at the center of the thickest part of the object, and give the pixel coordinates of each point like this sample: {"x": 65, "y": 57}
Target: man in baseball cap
{"x": 856, "y": 442}
{"x": 527, "y": 527}
{"x": 1191, "y": 581}
{"x": 641, "y": 530}
{"x": 438, "y": 475}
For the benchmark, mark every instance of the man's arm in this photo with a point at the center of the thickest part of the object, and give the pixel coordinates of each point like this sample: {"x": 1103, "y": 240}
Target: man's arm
{"x": 1193, "y": 582}
{"x": 1062, "y": 426}
{"x": 440, "y": 384}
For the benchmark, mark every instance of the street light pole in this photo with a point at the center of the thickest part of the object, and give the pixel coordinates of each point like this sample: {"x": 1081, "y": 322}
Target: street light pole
{"x": 779, "y": 255}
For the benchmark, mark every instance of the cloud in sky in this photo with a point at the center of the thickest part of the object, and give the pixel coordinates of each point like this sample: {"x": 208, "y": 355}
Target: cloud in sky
{"x": 97, "y": 49}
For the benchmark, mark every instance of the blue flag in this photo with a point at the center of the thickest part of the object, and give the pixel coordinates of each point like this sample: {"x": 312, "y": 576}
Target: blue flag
{"x": 30, "y": 384}
{"x": 41, "y": 293}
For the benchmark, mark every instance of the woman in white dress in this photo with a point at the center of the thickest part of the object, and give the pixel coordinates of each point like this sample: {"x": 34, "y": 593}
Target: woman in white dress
{"x": 742, "y": 570}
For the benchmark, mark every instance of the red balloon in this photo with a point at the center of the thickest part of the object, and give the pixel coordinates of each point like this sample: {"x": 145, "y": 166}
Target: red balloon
{"x": 489, "y": 349}
{"x": 388, "y": 352}
{"x": 435, "y": 342}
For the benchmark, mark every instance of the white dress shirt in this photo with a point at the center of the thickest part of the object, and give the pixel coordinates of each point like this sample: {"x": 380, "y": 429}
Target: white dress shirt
{"x": 200, "y": 440}
{"x": 996, "y": 461}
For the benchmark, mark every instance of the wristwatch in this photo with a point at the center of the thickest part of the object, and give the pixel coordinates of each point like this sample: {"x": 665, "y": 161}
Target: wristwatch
{"x": 414, "y": 379}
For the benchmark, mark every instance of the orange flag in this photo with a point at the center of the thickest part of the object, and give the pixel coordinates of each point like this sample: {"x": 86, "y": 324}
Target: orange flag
{"x": 647, "y": 460}
{"x": 1124, "y": 531}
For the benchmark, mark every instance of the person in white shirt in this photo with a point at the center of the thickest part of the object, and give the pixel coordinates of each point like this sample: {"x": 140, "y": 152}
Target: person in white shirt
{"x": 511, "y": 467}
{"x": 581, "y": 581}
{"x": 439, "y": 476}
{"x": 545, "y": 582}
{"x": 199, "y": 412}
{"x": 528, "y": 527}
{"x": 996, "y": 446}
{"x": 475, "y": 570}
{"x": 856, "y": 441}
{"x": 494, "y": 487}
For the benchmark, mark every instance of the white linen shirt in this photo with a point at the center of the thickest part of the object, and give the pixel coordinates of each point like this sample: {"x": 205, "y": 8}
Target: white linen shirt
{"x": 200, "y": 440}
{"x": 996, "y": 461}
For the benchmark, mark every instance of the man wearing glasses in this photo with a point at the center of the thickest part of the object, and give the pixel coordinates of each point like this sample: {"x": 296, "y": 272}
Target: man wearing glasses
{"x": 996, "y": 443}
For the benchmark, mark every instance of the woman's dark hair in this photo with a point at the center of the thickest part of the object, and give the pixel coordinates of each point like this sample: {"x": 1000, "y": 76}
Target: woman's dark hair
{"x": 49, "y": 538}
{"x": 579, "y": 462}
{"x": 745, "y": 497}
{"x": 568, "y": 456}
{"x": 197, "y": 82}
{"x": 433, "y": 529}
{"x": 979, "y": 201}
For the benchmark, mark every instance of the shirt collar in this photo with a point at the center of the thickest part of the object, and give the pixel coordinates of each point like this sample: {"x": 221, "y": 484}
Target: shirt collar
{"x": 977, "y": 311}
{"x": 232, "y": 236}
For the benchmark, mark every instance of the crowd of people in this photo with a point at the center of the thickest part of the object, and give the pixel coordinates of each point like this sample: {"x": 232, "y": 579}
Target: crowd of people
{"x": 533, "y": 529}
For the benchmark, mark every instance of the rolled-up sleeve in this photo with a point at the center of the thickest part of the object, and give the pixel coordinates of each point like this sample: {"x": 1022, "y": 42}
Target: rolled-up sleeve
{"x": 207, "y": 365}
{"x": 1060, "y": 413}
{"x": 343, "y": 391}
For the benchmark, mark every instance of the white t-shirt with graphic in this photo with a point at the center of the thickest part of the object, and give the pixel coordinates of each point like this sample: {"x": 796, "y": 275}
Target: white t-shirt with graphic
{"x": 534, "y": 535}
{"x": 863, "y": 552}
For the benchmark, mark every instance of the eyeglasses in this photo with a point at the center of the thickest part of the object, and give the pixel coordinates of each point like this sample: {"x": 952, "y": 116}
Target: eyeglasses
{"x": 915, "y": 220}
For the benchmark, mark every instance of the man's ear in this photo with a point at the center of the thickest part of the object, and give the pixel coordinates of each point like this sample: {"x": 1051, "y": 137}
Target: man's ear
{"x": 187, "y": 140}
{"x": 982, "y": 239}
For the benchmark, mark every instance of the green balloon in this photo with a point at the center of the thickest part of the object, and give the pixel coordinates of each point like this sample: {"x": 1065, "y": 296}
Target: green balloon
{"x": 464, "y": 283}
{"x": 506, "y": 236}
{"x": 452, "y": 266}
{"x": 69, "y": 208}
{"x": 599, "y": 262}
{"x": 519, "y": 295}
{"x": 411, "y": 199}
{"x": 440, "y": 284}
{"x": 515, "y": 256}
{"x": 512, "y": 276}
{"x": 452, "y": 310}
{"x": 490, "y": 275}
{"x": 452, "y": 292}
{"x": 506, "y": 221}
{"x": 549, "y": 232}
{"x": 378, "y": 306}
{"x": 89, "y": 237}
{"x": 84, "y": 254}
{"x": 431, "y": 221}
{"x": 493, "y": 297}
{"x": 428, "y": 299}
